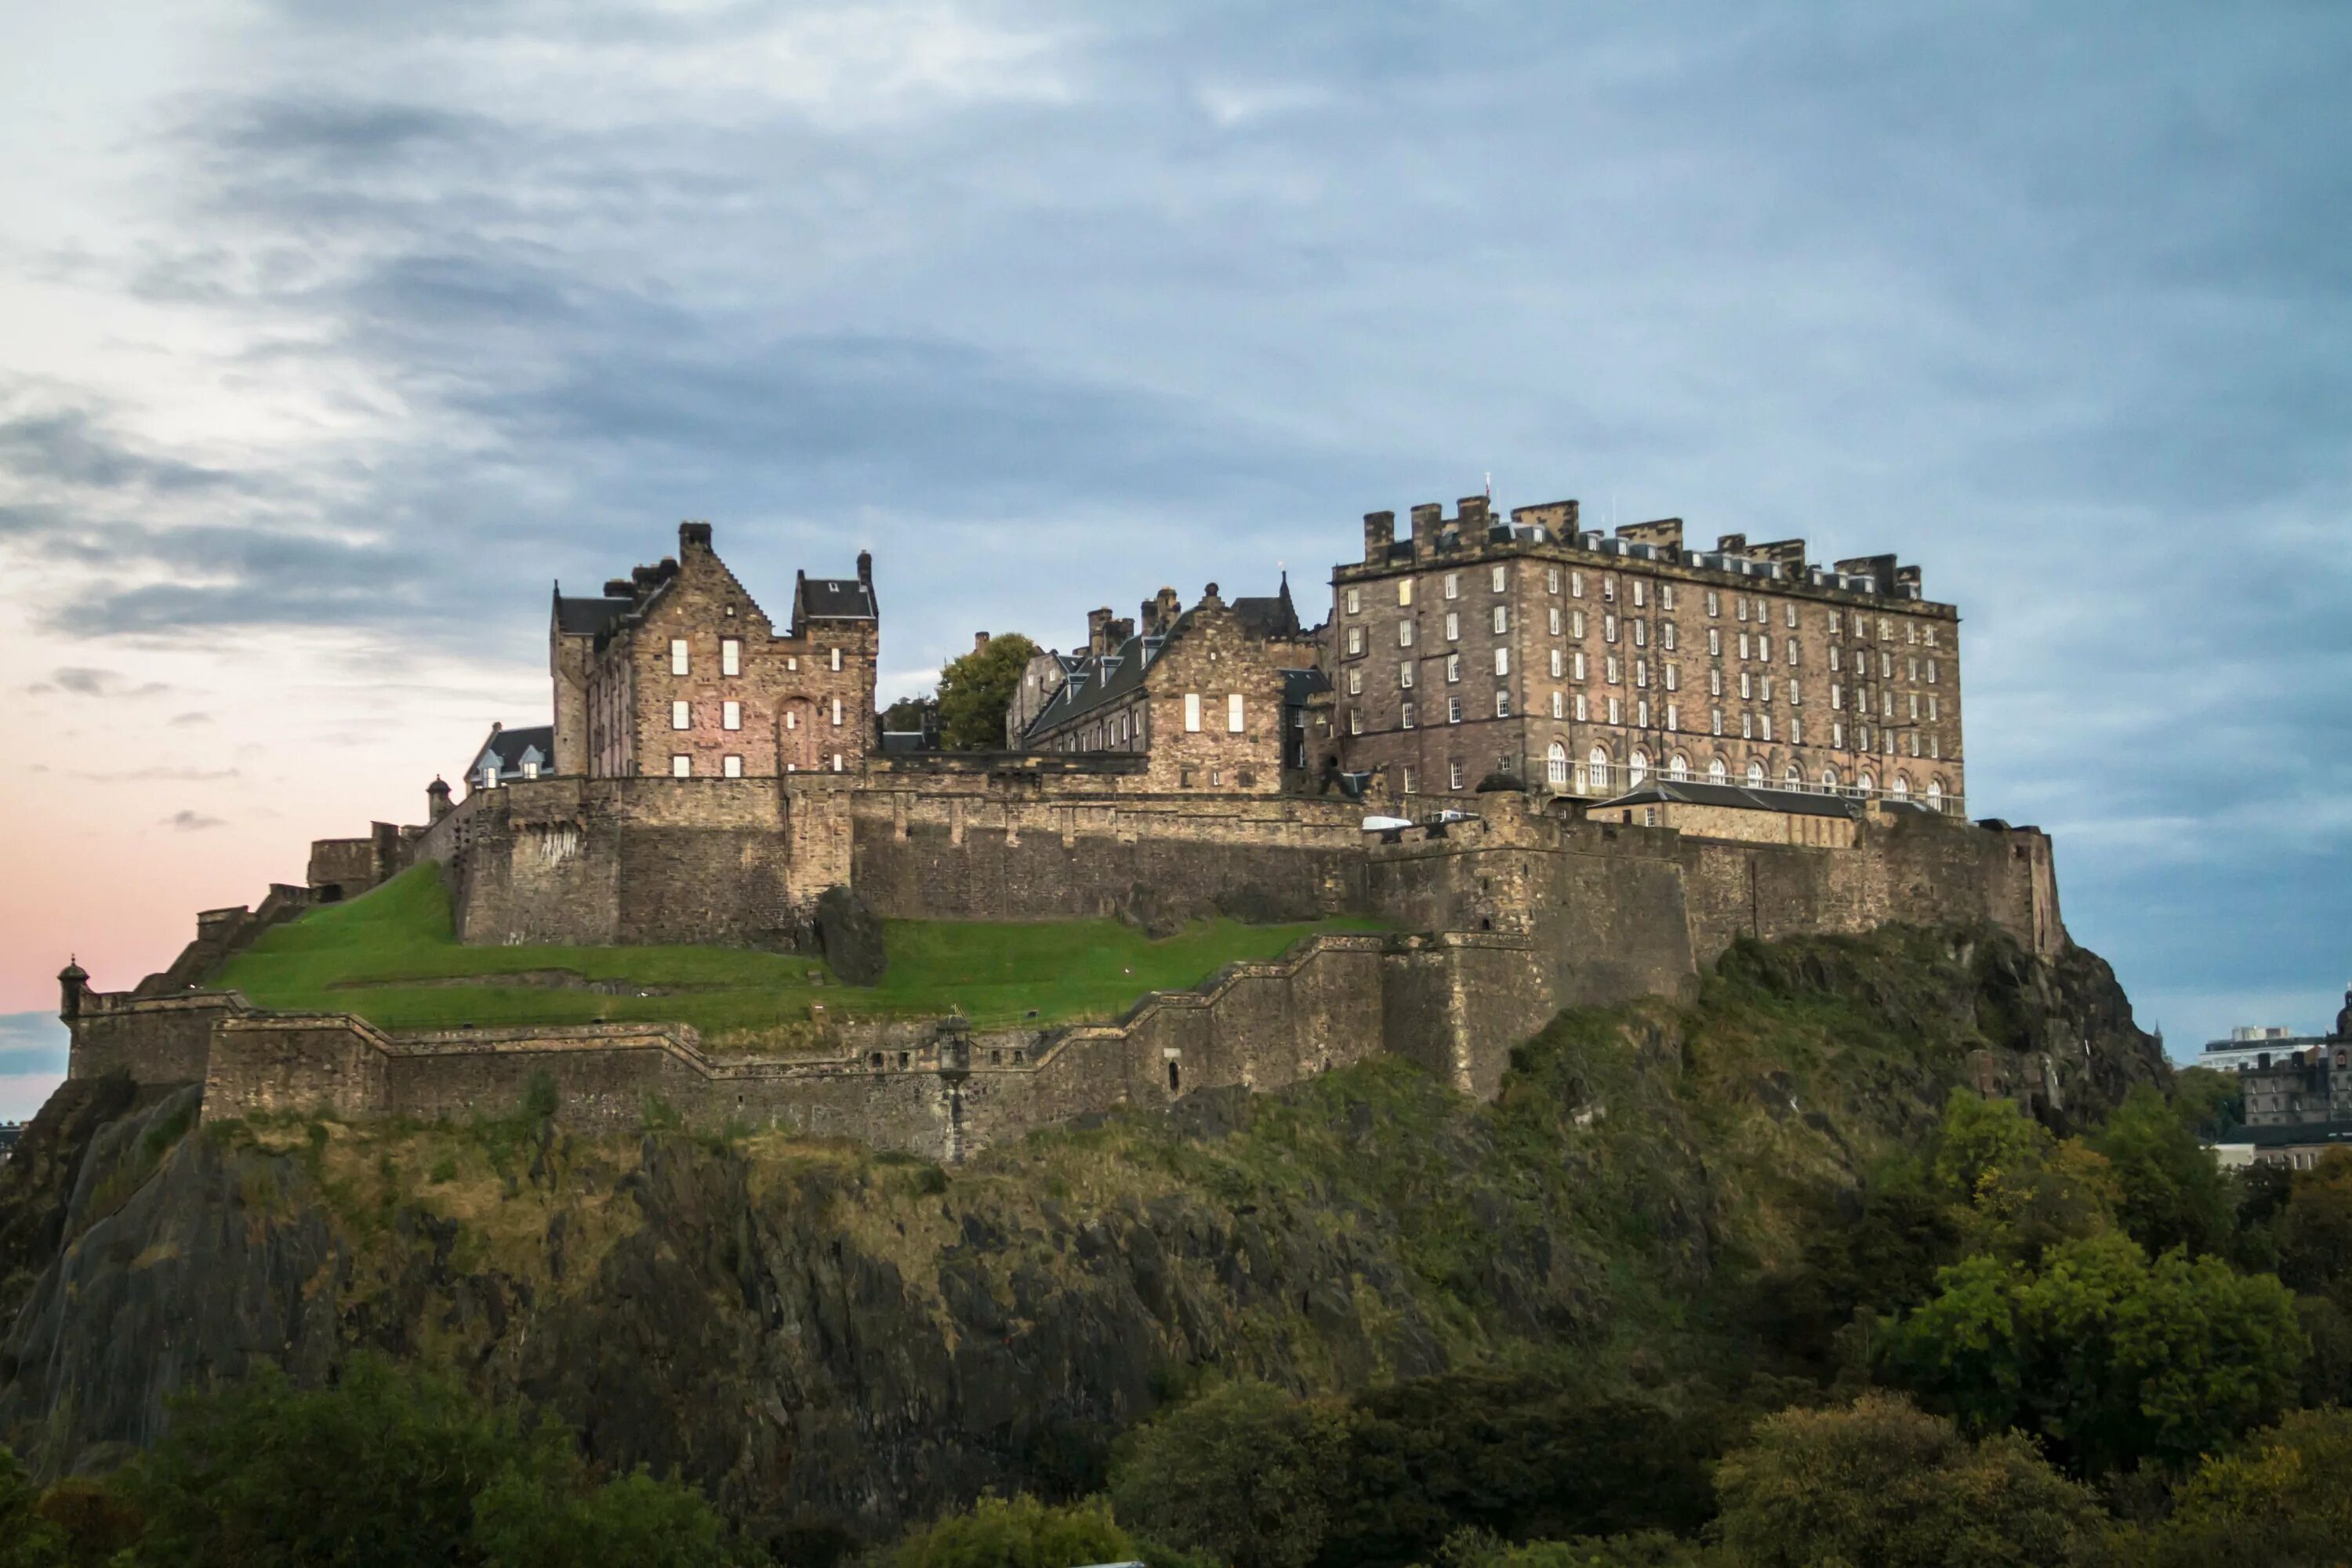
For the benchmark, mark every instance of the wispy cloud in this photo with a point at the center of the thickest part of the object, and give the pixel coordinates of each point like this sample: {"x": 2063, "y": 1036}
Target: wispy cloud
{"x": 187, "y": 821}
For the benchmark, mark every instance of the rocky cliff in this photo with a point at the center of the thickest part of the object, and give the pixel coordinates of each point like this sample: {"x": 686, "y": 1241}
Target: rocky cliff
{"x": 833, "y": 1341}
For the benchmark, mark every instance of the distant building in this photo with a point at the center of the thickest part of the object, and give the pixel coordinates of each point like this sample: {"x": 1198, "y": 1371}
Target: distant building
{"x": 10, "y": 1131}
{"x": 510, "y": 756}
{"x": 2253, "y": 1045}
{"x": 2297, "y": 1091}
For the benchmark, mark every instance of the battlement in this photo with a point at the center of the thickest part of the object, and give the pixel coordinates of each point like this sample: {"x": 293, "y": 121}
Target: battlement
{"x": 1554, "y": 530}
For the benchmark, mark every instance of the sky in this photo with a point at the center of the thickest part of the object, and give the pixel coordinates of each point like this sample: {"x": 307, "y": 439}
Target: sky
{"x": 330, "y": 335}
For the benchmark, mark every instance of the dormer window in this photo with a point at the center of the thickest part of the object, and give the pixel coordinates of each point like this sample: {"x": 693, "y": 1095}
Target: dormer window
{"x": 530, "y": 767}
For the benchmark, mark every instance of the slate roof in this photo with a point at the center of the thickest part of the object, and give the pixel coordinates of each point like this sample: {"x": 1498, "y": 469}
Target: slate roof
{"x": 509, "y": 746}
{"x": 1739, "y": 797}
{"x": 1095, "y": 681}
{"x": 1298, "y": 685}
{"x": 588, "y": 617}
{"x": 831, "y": 599}
{"x": 1274, "y": 617}
{"x": 2293, "y": 1134}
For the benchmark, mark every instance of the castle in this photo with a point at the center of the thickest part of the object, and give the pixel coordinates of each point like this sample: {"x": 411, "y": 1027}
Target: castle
{"x": 1590, "y": 762}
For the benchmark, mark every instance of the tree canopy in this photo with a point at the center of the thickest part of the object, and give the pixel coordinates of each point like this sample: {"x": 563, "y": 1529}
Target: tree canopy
{"x": 976, "y": 690}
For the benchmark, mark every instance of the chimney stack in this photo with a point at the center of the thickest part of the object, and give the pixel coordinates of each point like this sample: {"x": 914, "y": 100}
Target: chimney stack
{"x": 980, "y": 642}
{"x": 693, "y": 536}
{"x": 1380, "y": 533}
{"x": 1099, "y": 631}
{"x": 1425, "y": 521}
{"x": 1476, "y": 514}
{"x": 866, "y": 568}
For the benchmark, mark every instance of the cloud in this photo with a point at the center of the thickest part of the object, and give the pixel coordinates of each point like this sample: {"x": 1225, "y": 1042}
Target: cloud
{"x": 189, "y": 720}
{"x": 31, "y": 1043}
{"x": 187, "y": 821}
{"x": 82, "y": 681}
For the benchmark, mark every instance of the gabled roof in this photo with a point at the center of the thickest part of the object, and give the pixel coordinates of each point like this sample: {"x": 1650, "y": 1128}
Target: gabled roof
{"x": 513, "y": 747}
{"x": 831, "y": 599}
{"x": 1274, "y": 617}
{"x": 1737, "y": 797}
{"x": 588, "y": 617}
{"x": 1095, "y": 681}
{"x": 1298, "y": 685}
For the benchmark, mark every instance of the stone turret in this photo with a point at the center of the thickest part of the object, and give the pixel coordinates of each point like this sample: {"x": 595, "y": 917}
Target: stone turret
{"x": 2343, "y": 1017}
{"x": 73, "y": 985}
{"x": 436, "y": 800}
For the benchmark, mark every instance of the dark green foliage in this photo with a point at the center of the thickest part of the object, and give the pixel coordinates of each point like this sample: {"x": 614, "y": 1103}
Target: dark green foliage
{"x": 26, "y": 1539}
{"x": 387, "y": 1468}
{"x": 1883, "y": 1485}
{"x": 2107, "y": 1357}
{"x": 1026, "y": 1533}
{"x": 2283, "y": 1499}
{"x": 976, "y": 690}
{"x": 2171, "y": 1193}
{"x": 539, "y": 1099}
{"x": 1881, "y": 1262}
{"x": 1245, "y": 1473}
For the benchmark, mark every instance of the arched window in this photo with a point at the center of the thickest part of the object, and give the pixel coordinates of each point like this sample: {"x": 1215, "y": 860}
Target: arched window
{"x": 1597, "y": 769}
{"x": 1829, "y": 780}
{"x": 1935, "y": 794}
{"x": 1863, "y": 783}
{"x": 1754, "y": 775}
{"x": 1902, "y": 788}
{"x": 1637, "y": 770}
{"x": 1794, "y": 778}
{"x": 1714, "y": 772}
{"x": 1556, "y": 765}
{"x": 1678, "y": 767}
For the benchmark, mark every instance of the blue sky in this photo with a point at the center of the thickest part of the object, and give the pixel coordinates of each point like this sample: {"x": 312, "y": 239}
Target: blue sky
{"x": 338, "y": 331}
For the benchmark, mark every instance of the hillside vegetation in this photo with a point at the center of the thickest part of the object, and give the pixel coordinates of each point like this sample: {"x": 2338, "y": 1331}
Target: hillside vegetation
{"x": 391, "y": 957}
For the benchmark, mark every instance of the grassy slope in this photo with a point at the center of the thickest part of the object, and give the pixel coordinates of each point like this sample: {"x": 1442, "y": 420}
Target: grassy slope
{"x": 356, "y": 957}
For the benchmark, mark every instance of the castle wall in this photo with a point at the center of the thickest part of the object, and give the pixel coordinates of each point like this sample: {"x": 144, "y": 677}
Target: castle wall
{"x": 157, "y": 1040}
{"x": 295, "y": 1062}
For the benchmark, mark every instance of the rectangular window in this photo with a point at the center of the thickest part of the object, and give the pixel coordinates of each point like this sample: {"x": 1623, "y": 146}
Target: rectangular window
{"x": 1792, "y": 651}
{"x": 1673, "y": 678}
{"x": 1715, "y": 682}
{"x": 1576, "y": 623}
{"x": 836, "y": 717}
{"x": 1575, "y": 585}
{"x": 1931, "y": 707}
{"x": 731, "y": 655}
{"x": 531, "y": 770}
{"x": 1559, "y": 659}
{"x": 681, "y": 767}
{"x": 1502, "y": 619}
{"x": 1611, "y": 665}
{"x": 730, "y": 715}
{"x": 1715, "y": 718}
{"x": 1641, "y": 672}
{"x": 1407, "y": 772}
{"x": 1665, "y": 595}
{"x": 1578, "y": 664}
{"x": 1355, "y": 641}
{"x": 1743, "y": 645}
{"x": 677, "y": 656}
{"x": 1915, "y": 704}
{"x": 1608, "y": 628}
{"x": 1404, "y": 590}
{"x": 1746, "y": 692}
{"x": 836, "y": 761}
{"x": 1453, "y": 584}
{"x": 1453, "y": 627}
{"x": 1355, "y": 600}
{"x": 1555, "y": 620}
{"x": 1193, "y": 713}
{"x": 1355, "y": 683}
{"x": 1557, "y": 704}
{"x": 1502, "y": 661}
{"x": 1796, "y": 732}
{"x": 1739, "y": 604}
{"x": 1714, "y": 602}
{"x": 1609, "y": 587}
{"x": 1666, "y": 635}
{"x": 1837, "y": 695}
{"x": 1404, "y": 675}
{"x": 1355, "y": 720}
{"x": 1615, "y": 717}
{"x": 1764, "y": 725}
{"x": 1674, "y": 717}
{"x": 1641, "y": 713}
{"x": 1453, "y": 668}
{"x": 1454, "y": 775}
{"x": 1551, "y": 580}
{"x": 1796, "y": 694}
{"x": 1453, "y": 710}
{"x": 1234, "y": 712}
{"x": 1404, "y": 633}
{"x": 837, "y": 664}
{"x": 1931, "y": 672}
{"x": 1406, "y": 720}
{"x": 730, "y": 767}
{"x": 1641, "y": 594}
{"x": 1747, "y": 727}
{"x": 1715, "y": 642}
{"x": 1763, "y": 648}
{"x": 1837, "y": 734}
{"x": 1502, "y": 577}
{"x": 680, "y": 716}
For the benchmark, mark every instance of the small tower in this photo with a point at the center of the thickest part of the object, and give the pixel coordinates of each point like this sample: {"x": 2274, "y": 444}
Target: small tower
{"x": 73, "y": 985}
{"x": 436, "y": 800}
{"x": 2344, "y": 1019}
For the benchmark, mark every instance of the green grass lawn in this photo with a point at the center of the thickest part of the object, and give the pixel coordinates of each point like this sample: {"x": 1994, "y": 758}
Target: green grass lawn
{"x": 389, "y": 956}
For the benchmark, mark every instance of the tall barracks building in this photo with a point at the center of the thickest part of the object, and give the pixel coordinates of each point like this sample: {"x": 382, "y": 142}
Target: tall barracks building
{"x": 1591, "y": 663}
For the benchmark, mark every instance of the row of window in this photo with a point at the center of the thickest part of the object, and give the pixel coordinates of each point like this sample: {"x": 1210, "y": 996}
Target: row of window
{"x": 1752, "y": 726}
{"x": 730, "y": 715}
{"x": 681, "y": 767}
{"x": 1192, "y": 710}
{"x": 731, "y": 657}
{"x": 1745, "y": 606}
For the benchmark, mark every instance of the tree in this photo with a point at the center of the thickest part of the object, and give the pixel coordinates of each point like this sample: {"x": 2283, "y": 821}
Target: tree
{"x": 1883, "y": 1485}
{"x": 1020, "y": 1533}
{"x": 2281, "y": 1500}
{"x": 26, "y": 1539}
{"x": 389, "y": 1467}
{"x": 2017, "y": 1190}
{"x": 2109, "y": 1358}
{"x": 2169, "y": 1192}
{"x": 1242, "y": 1472}
{"x": 2315, "y": 1229}
{"x": 976, "y": 690}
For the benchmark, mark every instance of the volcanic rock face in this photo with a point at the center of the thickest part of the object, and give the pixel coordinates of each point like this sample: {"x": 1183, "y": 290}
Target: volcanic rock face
{"x": 831, "y": 1340}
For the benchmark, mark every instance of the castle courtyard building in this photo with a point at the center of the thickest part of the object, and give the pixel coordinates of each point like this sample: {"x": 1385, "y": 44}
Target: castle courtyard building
{"x": 1586, "y": 663}
{"x": 676, "y": 670}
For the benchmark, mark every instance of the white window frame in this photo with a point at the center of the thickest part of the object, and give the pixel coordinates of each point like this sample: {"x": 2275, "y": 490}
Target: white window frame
{"x": 730, "y": 766}
{"x": 682, "y": 714}
{"x": 730, "y": 715}
{"x": 1191, "y": 712}
{"x": 681, "y": 767}
{"x": 677, "y": 656}
{"x": 731, "y": 655}
{"x": 1235, "y": 723}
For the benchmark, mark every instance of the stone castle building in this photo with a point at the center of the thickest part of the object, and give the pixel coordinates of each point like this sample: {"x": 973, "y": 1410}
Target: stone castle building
{"x": 1587, "y": 664}
{"x": 1693, "y": 747}
{"x": 676, "y": 670}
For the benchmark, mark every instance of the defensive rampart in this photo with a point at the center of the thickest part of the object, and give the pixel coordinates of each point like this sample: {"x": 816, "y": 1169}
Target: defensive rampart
{"x": 1522, "y": 912}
